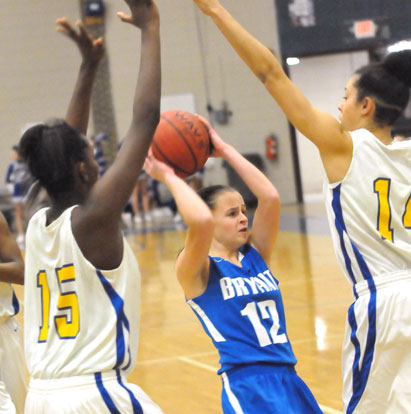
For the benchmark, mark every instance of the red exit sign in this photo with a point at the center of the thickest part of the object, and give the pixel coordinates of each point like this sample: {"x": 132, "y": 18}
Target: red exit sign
{"x": 364, "y": 29}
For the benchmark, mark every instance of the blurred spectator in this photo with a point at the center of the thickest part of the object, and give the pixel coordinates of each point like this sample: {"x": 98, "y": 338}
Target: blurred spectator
{"x": 99, "y": 156}
{"x": 18, "y": 181}
{"x": 142, "y": 194}
{"x": 196, "y": 180}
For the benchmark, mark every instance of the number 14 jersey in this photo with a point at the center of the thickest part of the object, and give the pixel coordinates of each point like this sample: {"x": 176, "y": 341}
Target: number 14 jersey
{"x": 370, "y": 209}
{"x": 242, "y": 311}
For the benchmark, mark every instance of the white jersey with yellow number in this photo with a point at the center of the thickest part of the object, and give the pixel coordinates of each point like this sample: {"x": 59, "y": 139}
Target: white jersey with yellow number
{"x": 370, "y": 209}
{"x": 78, "y": 319}
{"x": 370, "y": 218}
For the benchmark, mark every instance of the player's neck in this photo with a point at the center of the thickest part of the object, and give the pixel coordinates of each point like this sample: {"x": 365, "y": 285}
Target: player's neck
{"x": 383, "y": 134}
{"x": 62, "y": 203}
{"x": 226, "y": 253}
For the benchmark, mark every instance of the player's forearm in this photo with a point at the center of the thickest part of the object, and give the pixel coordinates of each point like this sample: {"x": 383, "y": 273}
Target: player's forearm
{"x": 255, "y": 180}
{"x": 78, "y": 111}
{"x": 12, "y": 272}
{"x": 122, "y": 175}
{"x": 192, "y": 208}
{"x": 146, "y": 111}
{"x": 148, "y": 90}
{"x": 257, "y": 56}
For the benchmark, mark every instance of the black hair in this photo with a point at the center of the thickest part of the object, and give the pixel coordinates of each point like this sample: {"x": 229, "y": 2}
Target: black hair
{"x": 51, "y": 151}
{"x": 387, "y": 83}
{"x": 209, "y": 194}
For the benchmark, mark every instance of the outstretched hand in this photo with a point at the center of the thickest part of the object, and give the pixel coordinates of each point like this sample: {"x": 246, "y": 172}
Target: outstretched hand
{"x": 208, "y": 6}
{"x": 155, "y": 168}
{"x": 218, "y": 145}
{"x": 143, "y": 12}
{"x": 92, "y": 50}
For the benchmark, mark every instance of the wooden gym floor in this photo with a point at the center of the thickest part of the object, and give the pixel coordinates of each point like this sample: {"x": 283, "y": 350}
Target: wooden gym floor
{"x": 177, "y": 362}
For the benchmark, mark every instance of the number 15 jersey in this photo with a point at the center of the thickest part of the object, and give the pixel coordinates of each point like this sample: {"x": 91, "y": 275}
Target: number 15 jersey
{"x": 78, "y": 320}
{"x": 242, "y": 312}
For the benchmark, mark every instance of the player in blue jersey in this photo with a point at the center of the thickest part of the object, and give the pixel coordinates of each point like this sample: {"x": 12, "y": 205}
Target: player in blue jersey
{"x": 223, "y": 270}
{"x": 82, "y": 280}
{"x": 368, "y": 200}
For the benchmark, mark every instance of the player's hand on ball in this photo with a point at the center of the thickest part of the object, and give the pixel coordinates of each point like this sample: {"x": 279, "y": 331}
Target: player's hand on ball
{"x": 155, "y": 168}
{"x": 217, "y": 143}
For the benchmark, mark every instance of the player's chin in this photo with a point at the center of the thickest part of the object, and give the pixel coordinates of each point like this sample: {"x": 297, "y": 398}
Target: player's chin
{"x": 243, "y": 235}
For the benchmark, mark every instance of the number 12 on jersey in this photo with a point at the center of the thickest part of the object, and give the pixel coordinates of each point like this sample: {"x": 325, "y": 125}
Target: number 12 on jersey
{"x": 67, "y": 322}
{"x": 268, "y": 310}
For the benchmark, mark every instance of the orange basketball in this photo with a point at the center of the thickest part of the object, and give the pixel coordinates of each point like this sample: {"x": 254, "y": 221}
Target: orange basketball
{"x": 182, "y": 141}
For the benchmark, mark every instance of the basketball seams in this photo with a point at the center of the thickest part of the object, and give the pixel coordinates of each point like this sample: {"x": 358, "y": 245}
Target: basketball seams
{"x": 168, "y": 161}
{"x": 181, "y": 142}
{"x": 185, "y": 142}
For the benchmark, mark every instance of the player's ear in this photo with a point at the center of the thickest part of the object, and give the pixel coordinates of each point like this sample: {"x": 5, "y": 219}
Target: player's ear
{"x": 81, "y": 170}
{"x": 367, "y": 106}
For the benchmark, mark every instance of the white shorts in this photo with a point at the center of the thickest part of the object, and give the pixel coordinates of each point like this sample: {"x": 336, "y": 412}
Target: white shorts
{"x": 13, "y": 374}
{"x": 101, "y": 393}
{"x": 376, "y": 355}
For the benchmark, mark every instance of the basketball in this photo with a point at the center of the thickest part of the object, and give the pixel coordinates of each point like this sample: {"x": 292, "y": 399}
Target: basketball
{"x": 181, "y": 141}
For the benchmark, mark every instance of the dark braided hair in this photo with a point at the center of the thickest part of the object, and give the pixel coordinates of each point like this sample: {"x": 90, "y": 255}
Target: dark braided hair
{"x": 387, "y": 83}
{"x": 51, "y": 151}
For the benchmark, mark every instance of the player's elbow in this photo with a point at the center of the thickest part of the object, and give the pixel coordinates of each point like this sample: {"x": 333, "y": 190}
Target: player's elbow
{"x": 206, "y": 220}
{"x": 203, "y": 222}
{"x": 268, "y": 70}
{"x": 273, "y": 77}
{"x": 271, "y": 197}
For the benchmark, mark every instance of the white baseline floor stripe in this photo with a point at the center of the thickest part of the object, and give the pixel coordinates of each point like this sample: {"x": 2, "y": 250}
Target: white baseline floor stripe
{"x": 173, "y": 358}
{"x": 198, "y": 364}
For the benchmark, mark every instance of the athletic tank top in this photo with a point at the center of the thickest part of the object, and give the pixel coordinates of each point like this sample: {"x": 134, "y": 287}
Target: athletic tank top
{"x": 242, "y": 312}
{"x": 77, "y": 319}
{"x": 369, "y": 211}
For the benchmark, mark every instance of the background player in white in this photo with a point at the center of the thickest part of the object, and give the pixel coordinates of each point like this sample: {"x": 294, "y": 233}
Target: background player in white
{"x": 223, "y": 270}
{"x": 13, "y": 378}
{"x": 368, "y": 200}
{"x": 83, "y": 283}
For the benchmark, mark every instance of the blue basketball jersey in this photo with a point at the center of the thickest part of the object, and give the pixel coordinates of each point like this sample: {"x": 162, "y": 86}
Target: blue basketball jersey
{"x": 243, "y": 313}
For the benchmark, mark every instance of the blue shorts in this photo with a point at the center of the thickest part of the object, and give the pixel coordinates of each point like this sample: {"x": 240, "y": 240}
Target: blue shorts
{"x": 266, "y": 389}
{"x": 19, "y": 192}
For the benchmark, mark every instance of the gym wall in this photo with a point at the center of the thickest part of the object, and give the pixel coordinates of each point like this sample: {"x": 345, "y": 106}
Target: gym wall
{"x": 39, "y": 68}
